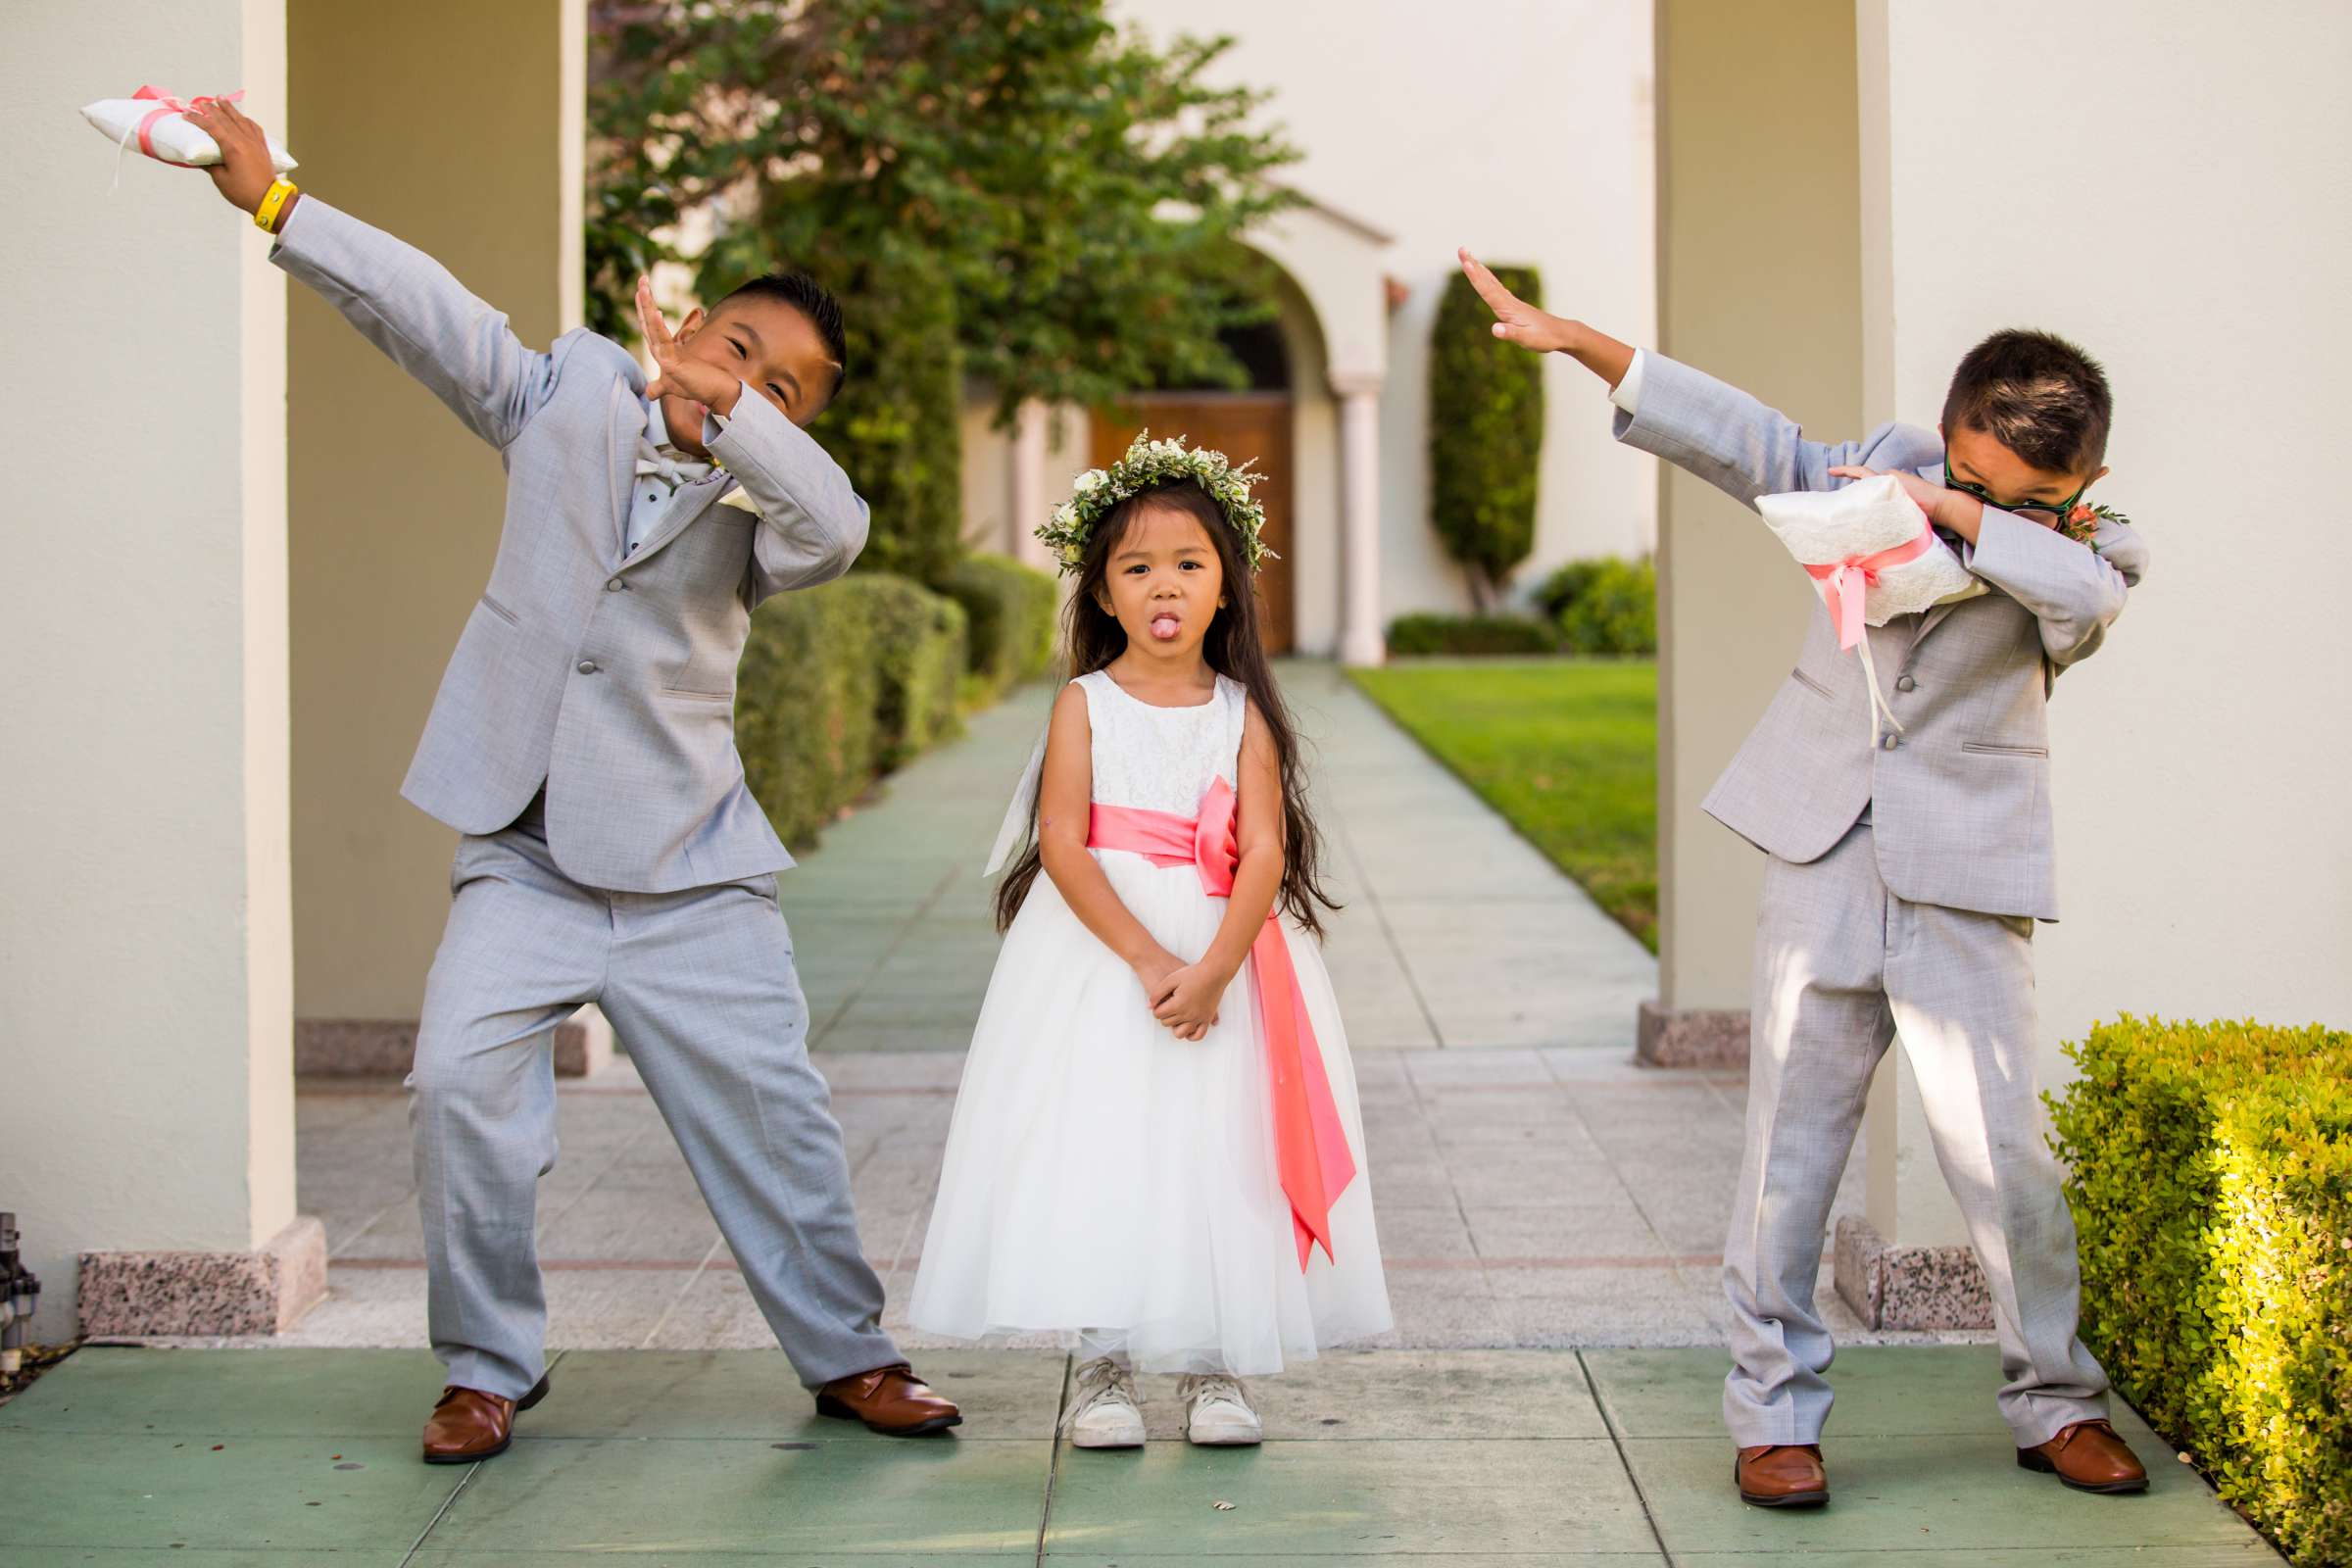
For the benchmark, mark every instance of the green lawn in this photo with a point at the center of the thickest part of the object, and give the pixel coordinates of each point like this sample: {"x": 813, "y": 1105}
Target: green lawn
{"x": 1567, "y": 749}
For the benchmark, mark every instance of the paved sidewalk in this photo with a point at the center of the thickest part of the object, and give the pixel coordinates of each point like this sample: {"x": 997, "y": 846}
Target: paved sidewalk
{"x": 1409, "y": 1459}
{"x": 1457, "y": 932}
{"x": 1551, "y": 1217}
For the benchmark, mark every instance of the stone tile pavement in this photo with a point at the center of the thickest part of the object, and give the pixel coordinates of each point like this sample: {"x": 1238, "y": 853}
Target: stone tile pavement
{"x": 1551, "y": 1217}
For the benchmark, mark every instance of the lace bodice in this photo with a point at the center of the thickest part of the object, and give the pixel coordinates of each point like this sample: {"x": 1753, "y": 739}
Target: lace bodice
{"x": 1161, "y": 758}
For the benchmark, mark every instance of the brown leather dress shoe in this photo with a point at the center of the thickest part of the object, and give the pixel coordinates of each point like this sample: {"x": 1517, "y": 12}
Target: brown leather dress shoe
{"x": 2090, "y": 1457}
{"x": 469, "y": 1424}
{"x": 889, "y": 1400}
{"x": 1782, "y": 1475}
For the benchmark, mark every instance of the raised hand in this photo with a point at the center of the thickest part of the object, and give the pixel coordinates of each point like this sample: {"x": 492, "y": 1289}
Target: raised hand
{"x": 1516, "y": 320}
{"x": 245, "y": 171}
{"x": 678, "y": 374}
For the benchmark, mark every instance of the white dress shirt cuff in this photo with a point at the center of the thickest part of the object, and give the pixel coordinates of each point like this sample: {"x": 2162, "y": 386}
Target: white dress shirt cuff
{"x": 1627, "y": 393}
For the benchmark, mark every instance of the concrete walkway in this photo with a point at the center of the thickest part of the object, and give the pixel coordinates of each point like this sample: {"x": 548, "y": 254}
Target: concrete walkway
{"x": 1551, "y": 1217}
{"x": 1457, "y": 932}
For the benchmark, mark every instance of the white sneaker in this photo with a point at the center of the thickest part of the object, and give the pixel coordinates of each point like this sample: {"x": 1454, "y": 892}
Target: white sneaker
{"x": 1217, "y": 1413}
{"x": 1103, "y": 1413}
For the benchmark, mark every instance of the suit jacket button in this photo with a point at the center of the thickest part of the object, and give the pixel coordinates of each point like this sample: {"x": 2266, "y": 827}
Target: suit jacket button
{"x": 616, "y": 586}
{"x": 1892, "y": 741}
{"x": 1905, "y": 684}
{"x": 588, "y": 667}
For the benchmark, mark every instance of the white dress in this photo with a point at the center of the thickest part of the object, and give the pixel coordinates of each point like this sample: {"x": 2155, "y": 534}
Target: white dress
{"x": 1103, "y": 1176}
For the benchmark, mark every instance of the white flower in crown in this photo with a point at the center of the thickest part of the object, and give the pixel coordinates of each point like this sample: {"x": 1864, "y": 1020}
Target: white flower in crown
{"x": 1147, "y": 466}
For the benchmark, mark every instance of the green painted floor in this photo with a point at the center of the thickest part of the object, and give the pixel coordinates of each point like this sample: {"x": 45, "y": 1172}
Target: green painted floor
{"x": 1461, "y": 1459}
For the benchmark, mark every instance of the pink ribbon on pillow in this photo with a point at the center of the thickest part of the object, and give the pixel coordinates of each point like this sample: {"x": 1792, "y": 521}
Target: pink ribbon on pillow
{"x": 1843, "y": 582}
{"x": 1844, "y": 585}
{"x": 1310, "y": 1147}
{"x": 169, "y": 105}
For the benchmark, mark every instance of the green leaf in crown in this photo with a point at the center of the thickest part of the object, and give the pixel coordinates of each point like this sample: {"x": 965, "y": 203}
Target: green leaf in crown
{"x": 1148, "y": 465}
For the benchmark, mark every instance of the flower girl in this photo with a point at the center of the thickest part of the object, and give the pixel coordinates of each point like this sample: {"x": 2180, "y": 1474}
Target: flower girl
{"x": 1156, "y": 1155}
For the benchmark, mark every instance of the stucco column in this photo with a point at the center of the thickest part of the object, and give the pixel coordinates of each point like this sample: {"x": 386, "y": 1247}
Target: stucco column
{"x": 1363, "y": 634}
{"x": 395, "y": 506}
{"x": 1030, "y": 424}
{"x": 146, "y": 941}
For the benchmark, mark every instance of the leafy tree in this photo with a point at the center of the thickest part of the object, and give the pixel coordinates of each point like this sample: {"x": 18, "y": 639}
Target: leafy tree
{"x": 1485, "y": 431}
{"x": 1078, "y": 190}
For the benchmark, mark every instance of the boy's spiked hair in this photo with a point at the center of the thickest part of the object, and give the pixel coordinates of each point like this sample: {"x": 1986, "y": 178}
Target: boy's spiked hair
{"x": 812, "y": 300}
{"x": 2035, "y": 394}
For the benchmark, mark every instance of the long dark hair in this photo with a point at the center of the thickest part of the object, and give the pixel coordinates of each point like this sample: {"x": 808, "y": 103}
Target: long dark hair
{"x": 1233, "y": 648}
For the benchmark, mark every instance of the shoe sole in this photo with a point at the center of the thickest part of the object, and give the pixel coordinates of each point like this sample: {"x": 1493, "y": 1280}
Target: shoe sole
{"x": 1123, "y": 1440}
{"x": 2028, "y": 1459}
{"x": 922, "y": 1429}
{"x": 1785, "y": 1500}
{"x": 538, "y": 1393}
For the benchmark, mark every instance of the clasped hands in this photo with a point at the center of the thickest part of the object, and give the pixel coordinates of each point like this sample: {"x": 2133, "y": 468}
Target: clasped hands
{"x": 1183, "y": 995}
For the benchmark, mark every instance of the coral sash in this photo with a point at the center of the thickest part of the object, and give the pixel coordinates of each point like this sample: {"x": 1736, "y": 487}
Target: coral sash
{"x": 1311, "y": 1148}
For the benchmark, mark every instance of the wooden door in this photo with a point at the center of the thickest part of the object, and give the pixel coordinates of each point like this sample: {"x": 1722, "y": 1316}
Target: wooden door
{"x": 1243, "y": 425}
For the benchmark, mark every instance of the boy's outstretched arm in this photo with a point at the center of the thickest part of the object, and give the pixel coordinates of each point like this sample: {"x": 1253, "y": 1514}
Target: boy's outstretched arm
{"x": 401, "y": 299}
{"x": 1714, "y": 430}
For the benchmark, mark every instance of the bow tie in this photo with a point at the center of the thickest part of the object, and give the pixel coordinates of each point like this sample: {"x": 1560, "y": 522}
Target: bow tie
{"x": 675, "y": 468}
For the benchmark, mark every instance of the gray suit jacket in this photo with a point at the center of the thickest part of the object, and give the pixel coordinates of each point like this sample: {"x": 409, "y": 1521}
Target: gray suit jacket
{"x": 611, "y": 682}
{"x": 1960, "y": 804}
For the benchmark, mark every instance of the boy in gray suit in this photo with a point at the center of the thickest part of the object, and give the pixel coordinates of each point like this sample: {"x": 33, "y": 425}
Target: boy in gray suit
{"x": 1904, "y": 876}
{"x": 583, "y": 743}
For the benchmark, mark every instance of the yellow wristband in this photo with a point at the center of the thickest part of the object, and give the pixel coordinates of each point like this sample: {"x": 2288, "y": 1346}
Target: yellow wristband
{"x": 265, "y": 217}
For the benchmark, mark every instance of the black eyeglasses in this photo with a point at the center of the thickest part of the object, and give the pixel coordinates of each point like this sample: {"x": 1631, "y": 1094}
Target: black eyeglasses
{"x": 2035, "y": 512}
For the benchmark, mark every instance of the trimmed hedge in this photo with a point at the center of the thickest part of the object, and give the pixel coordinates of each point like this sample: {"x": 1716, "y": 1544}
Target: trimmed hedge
{"x": 2212, "y": 1186}
{"x": 1605, "y": 606}
{"x": 838, "y": 684}
{"x": 1485, "y": 433}
{"x": 1471, "y": 635}
{"x": 896, "y": 422}
{"x": 1010, "y": 609}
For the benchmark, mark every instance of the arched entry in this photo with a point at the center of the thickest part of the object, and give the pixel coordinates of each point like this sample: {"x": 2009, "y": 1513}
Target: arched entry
{"x": 1249, "y": 426}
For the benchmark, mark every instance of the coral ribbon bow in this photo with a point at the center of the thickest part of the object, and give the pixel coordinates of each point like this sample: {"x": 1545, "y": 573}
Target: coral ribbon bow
{"x": 1844, "y": 585}
{"x": 169, "y": 105}
{"x": 1310, "y": 1147}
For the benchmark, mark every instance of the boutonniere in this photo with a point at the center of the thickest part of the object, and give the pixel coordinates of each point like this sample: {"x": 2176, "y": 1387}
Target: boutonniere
{"x": 2081, "y": 524}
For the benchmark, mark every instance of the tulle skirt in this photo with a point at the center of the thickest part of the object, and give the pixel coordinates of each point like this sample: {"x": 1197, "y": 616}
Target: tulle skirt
{"x": 1103, "y": 1177}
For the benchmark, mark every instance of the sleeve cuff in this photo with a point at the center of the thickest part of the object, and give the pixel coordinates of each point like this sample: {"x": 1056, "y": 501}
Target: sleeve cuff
{"x": 1627, "y": 393}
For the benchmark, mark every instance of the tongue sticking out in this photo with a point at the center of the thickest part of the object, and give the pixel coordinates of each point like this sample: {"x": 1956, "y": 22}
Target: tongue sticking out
{"x": 1164, "y": 626}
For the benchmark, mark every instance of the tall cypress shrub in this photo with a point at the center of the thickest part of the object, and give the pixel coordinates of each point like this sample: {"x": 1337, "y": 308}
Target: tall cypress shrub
{"x": 896, "y": 425}
{"x": 1485, "y": 431}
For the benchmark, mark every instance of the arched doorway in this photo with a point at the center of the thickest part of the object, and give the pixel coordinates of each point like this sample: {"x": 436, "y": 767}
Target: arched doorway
{"x": 1250, "y": 424}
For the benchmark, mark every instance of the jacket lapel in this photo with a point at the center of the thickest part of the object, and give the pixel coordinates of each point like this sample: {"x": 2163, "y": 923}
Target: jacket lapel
{"x": 624, "y": 423}
{"x": 689, "y": 503}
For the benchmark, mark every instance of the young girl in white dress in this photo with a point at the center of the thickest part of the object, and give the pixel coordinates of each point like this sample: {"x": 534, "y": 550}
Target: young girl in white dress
{"x": 1156, "y": 1155}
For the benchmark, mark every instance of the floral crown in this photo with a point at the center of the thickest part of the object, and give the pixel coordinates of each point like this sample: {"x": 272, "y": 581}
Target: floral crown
{"x": 1148, "y": 465}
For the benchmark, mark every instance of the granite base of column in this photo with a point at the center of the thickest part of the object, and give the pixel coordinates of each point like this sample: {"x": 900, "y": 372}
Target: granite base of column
{"x": 1691, "y": 1036}
{"x": 382, "y": 1048}
{"x": 1891, "y": 1287}
{"x": 124, "y": 1295}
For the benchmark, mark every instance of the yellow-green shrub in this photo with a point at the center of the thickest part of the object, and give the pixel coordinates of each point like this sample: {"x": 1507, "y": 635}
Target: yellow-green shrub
{"x": 2212, "y": 1186}
{"x": 840, "y": 683}
{"x": 1011, "y": 609}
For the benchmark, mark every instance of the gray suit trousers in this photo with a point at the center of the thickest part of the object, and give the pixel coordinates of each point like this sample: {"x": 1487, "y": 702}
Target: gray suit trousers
{"x": 1842, "y": 966}
{"x": 700, "y": 985}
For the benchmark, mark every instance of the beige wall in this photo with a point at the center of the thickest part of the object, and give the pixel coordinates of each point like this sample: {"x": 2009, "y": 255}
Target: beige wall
{"x": 144, "y": 939}
{"x": 1518, "y": 128}
{"x": 2197, "y": 188}
{"x": 1759, "y": 273}
{"x": 395, "y": 507}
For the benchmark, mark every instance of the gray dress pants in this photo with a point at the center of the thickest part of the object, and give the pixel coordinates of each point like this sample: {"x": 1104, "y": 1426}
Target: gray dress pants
{"x": 700, "y": 985}
{"x": 1842, "y": 966}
